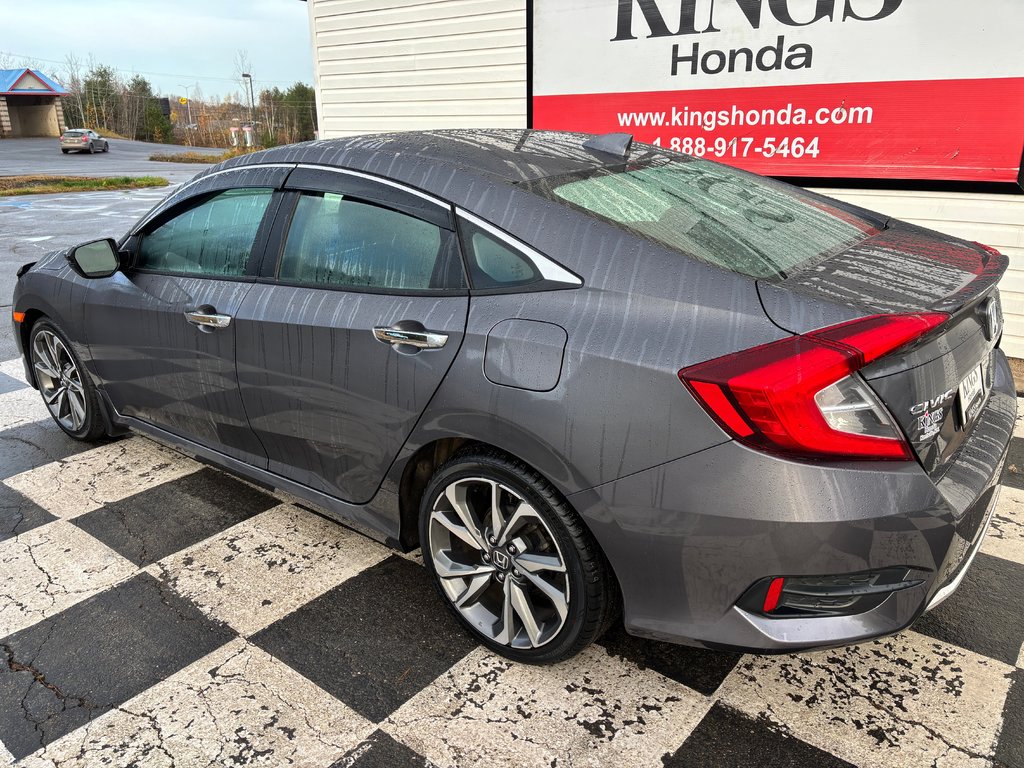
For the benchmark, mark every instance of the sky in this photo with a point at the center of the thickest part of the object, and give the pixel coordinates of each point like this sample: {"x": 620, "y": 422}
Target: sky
{"x": 172, "y": 43}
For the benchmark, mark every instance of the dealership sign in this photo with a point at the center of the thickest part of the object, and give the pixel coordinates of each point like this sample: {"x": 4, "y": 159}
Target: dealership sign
{"x": 901, "y": 89}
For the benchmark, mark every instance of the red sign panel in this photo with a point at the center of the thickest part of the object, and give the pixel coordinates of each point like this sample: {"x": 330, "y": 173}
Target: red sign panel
{"x": 791, "y": 104}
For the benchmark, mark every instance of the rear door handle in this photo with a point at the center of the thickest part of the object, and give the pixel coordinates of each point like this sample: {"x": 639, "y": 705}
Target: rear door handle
{"x": 397, "y": 336}
{"x": 208, "y": 319}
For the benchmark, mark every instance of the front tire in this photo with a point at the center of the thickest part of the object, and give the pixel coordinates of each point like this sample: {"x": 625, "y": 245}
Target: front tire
{"x": 512, "y": 560}
{"x": 67, "y": 389}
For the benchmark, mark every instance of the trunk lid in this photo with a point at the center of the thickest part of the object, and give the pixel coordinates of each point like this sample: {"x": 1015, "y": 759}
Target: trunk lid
{"x": 936, "y": 387}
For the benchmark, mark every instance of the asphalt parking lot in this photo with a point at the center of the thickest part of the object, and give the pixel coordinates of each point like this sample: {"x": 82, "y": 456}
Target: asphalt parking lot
{"x": 157, "y": 612}
{"x": 125, "y": 158}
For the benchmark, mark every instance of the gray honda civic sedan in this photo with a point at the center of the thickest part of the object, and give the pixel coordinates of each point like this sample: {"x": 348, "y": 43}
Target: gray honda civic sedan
{"x": 590, "y": 378}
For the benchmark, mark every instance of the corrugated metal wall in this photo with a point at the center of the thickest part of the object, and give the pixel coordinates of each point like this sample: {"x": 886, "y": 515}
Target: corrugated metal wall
{"x": 408, "y": 64}
{"x": 386, "y": 65}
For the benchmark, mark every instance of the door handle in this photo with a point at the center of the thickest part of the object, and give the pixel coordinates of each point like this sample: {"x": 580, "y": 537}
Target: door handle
{"x": 420, "y": 339}
{"x": 208, "y": 319}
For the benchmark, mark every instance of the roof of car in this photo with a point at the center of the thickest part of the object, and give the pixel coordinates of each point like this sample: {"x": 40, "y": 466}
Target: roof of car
{"x": 501, "y": 155}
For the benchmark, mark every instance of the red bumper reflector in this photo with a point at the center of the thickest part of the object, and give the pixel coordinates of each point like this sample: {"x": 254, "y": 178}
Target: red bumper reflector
{"x": 19, "y": 317}
{"x": 771, "y": 600}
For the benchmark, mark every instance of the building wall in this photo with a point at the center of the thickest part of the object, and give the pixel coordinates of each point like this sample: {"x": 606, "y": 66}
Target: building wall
{"x": 37, "y": 120}
{"x": 386, "y": 65}
{"x": 6, "y": 129}
{"x": 15, "y": 117}
{"x": 32, "y": 119}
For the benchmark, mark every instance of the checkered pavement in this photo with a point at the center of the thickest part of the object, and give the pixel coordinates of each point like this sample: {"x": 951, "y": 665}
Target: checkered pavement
{"x": 157, "y": 612}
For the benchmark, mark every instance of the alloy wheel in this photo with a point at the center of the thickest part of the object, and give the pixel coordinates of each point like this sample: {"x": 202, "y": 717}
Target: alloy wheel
{"x": 60, "y": 381}
{"x": 498, "y": 562}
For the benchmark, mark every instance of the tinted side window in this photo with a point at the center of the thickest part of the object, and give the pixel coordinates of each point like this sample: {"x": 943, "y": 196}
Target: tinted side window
{"x": 213, "y": 238}
{"x": 339, "y": 241}
{"x": 493, "y": 263}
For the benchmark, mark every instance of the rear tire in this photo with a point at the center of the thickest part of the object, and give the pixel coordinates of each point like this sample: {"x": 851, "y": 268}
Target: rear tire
{"x": 106, "y": 146}
{"x": 92, "y": 149}
{"x": 529, "y": 583}
{"x": 66, "y": 387}
{"x": 64, "y": 151}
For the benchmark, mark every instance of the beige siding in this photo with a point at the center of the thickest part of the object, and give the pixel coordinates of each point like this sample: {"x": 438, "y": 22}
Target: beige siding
{"x": 996, "y": 220}
{"x": 386, "y": 65}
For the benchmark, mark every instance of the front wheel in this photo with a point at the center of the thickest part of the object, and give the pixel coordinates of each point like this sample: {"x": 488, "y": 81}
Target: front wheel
{"x": 66, "y": 387}
{"x": 512, "y": 560}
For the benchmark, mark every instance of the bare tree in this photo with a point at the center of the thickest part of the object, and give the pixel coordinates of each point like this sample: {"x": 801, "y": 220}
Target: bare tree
{"x": 71, "y": 75}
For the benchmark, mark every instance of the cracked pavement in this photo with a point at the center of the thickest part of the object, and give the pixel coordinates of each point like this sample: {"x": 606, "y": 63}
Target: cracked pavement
{"x": 158, "y": 612}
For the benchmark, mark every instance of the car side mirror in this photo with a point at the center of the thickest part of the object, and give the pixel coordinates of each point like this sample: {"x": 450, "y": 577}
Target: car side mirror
{"x": 96, "y": 259}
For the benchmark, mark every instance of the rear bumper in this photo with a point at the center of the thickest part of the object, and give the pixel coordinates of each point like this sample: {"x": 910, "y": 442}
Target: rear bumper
{"x": 688, "y": 538}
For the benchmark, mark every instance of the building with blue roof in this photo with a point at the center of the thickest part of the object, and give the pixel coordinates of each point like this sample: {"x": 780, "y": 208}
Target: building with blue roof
{"x": 30, "y": 104}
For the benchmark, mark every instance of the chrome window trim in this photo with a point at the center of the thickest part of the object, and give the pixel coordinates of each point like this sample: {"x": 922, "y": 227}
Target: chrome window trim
{"x": 549, "y": 269}
{"x": 159, "y": 207}
{"x": 380, "y": 180}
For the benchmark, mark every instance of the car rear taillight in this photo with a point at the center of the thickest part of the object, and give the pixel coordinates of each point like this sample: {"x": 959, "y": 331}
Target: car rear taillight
{"x": 85, "y": 139}
{"x": 801, "y": 395}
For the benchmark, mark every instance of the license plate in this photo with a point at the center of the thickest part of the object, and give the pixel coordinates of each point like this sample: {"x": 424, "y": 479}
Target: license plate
{"x": 971, "y": 395}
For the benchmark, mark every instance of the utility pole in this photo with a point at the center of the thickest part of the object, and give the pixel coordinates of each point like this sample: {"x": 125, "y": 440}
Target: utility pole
{"x": 188, "y": 105}
{"x": 252, "y": 102}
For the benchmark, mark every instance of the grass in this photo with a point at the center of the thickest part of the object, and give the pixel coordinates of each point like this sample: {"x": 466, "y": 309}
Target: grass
{"x": 199, "y": 157}
{"x": 41, "y": 185}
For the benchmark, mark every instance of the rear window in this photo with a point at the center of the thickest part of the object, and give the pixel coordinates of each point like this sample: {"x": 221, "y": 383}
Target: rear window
{"x": 735, "y": 220}
{"x": 71, "y": 134}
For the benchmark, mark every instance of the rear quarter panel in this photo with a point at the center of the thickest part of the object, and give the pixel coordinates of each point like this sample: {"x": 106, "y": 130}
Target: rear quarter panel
{"x": 618, "y": 406}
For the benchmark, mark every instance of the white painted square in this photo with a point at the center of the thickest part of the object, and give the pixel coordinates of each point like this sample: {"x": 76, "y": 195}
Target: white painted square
{"x": 111, "y": 472}
{"x": 22, "y": 406}
{"x": 236, "y": 706}
{"x": 594, "y": 709}
{"x": 903, "y": 700}
{"x": 50, "y": 568}
{"x": 262, "y": 569}
{"x": 1005, "y": 537}
{"x": 15, "y": 369}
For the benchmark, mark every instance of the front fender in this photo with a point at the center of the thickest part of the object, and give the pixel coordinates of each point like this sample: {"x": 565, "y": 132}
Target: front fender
{"x": 60, "y": 295}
